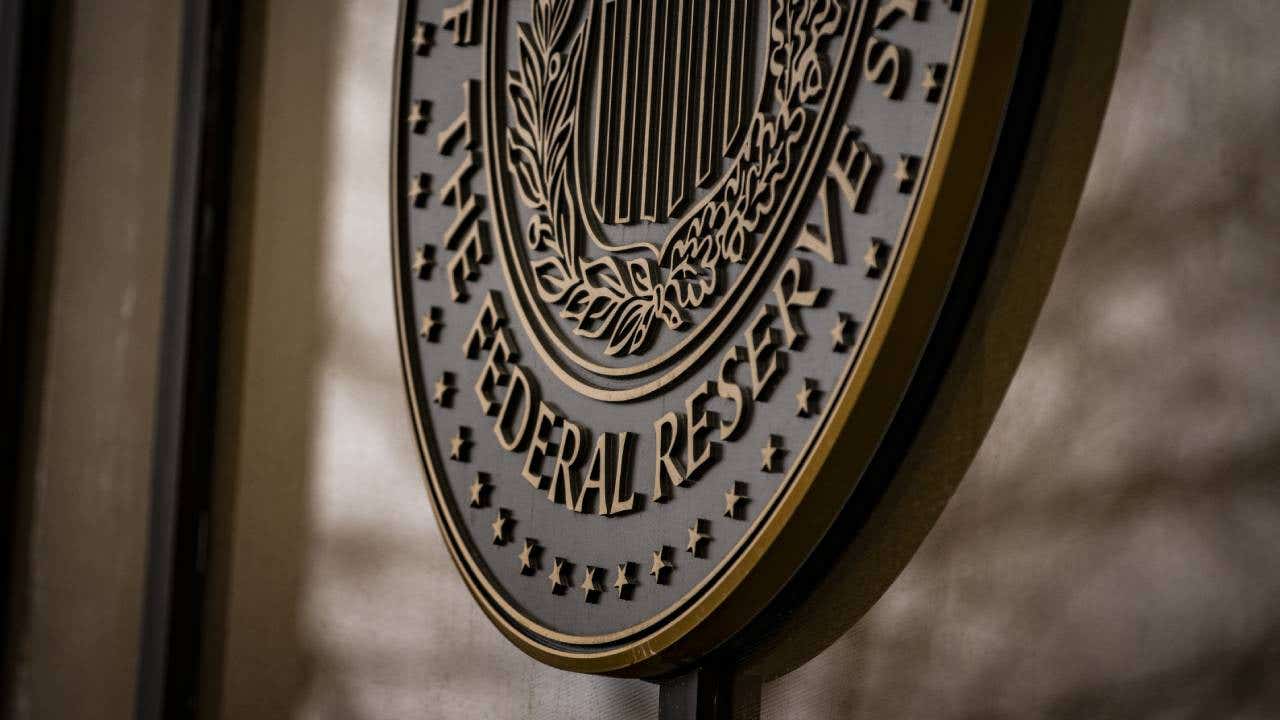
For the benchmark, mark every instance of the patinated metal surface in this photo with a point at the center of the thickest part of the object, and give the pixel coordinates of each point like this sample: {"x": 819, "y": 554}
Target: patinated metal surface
{"x": 664, "y": 271}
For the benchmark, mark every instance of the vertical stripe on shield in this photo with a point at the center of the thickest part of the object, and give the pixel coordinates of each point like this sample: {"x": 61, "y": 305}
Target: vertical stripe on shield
{"x": 673, "y": 97}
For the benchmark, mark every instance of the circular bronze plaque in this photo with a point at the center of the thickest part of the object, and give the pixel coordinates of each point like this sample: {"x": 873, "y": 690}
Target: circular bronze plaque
{"x": 664, "y": 271}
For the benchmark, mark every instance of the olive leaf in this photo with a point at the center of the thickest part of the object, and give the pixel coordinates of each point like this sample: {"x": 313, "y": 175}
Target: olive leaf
{"x": 552, "y": 280}
{"x": 618, "y": 302}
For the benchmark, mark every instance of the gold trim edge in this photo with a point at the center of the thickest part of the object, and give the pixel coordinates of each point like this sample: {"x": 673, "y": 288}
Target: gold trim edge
{"x": 718, "y": 611}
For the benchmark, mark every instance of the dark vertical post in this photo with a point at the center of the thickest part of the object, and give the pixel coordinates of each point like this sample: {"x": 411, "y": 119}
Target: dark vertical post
{"x": 709, "y": 692}
{"x": 168, "y": 663}
{"x": 691, "y": 696}
{"x": 24, "y": 48}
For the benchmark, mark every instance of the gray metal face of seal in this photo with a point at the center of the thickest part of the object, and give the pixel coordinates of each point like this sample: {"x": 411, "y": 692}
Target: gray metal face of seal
{"x": 640, "y": 248}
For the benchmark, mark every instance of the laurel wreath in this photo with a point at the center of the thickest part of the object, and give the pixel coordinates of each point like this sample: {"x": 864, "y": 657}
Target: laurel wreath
{"x": 619, "y": 301}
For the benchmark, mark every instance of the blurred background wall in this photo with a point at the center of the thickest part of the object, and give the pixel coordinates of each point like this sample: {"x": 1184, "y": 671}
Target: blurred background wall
{"x": 1113, "y": 551}
{"x": 83, "y": 489}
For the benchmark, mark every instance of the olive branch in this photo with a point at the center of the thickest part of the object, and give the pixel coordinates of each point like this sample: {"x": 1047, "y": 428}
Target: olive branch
{"x": 723, "y": 229}
{"x": 617, "y": 301}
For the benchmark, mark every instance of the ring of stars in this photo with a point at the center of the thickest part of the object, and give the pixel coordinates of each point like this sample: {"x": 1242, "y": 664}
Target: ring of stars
{"x": 528, "y": 565}
{"x": 874, "y": 258}
{"x": 499, "y": 526}
{"x": 905, "y": 173}
{"x": 443, "y": 390}
{"x": 771, "y": 454}
{"x": 460, "y": 445}
{"x": 419, "y": 116}
{"x": 624, "y": 582}
{"x": 556, "y": 576}
{"x": 591, "y": 588}
{"x": 698, "y": 538}
{"x": 429, "y": 330}
{"x": 479, "y": 490}
{"x": 423, "y": 262}
{"x": 933, "y": 81}
{"x": 423, "y": 36}
{"x": 732, "y": 500}
{"x": 805, "y": 397}
{"x": 419, "y": 189}
{"x": 661, "y": 566}
{"x": 841, "y": 333}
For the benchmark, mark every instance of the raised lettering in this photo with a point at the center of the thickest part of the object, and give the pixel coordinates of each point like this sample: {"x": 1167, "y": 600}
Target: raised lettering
{"x": 728, "y": 389}
{"x": 889, "y": 12}
{"x": 700, "y": 453}
{"x": 853, "y": 167}
{"x": 464, "y": 20}
{"x": 491, "y": 318}
{"x": 792, "y": 291}
{"x": 465, "y": 264}
{"x": 763, "y": 357}
{"x": 540, "y": 445}
{"x": 466, "y": 127}
{"x": 885, "y": 65}
{"x": 512, "y": 426}
{"x": 495, "y": 372}
{"x": 666, "y": 469}
{"x": 623, "y": 449}
{"x": 564, "y": 477}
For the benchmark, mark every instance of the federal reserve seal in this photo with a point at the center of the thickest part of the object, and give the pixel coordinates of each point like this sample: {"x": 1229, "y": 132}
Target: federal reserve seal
{"x": 665, "y": 271}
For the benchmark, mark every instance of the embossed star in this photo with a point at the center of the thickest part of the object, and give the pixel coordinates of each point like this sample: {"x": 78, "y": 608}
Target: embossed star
{"x": 423, "y": 262}
{"x": 419, "y": 116}
{"x": 842, "y": 332}
{"x": 733, "y": 499}
{"x": 874, "y": 258}
{"x": 419, "y": 189}
{"x": 479, "y": 490}
{"x": 771, "y": 454}
{"x": 444, "y": 390}
{"x": 590, "y": 586}
{"x": 935, "y": 75}
{"x": 698, "y": 538}
{"x": 499, "y": 526}
{"x": 805, "y": 398}
{"x": 528, "y": 565}
{"x": 460, "y": 445}
{"x": 624, "y": 582}
{"x": 423, "y": 36}
{"x": 556, "y": 576}
{"x": 905, "y": 173}
{"x": 660, "y": 567}
{"x": 430, "y": 327}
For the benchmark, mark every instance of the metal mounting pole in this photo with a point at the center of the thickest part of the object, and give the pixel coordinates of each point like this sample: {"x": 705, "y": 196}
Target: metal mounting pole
{"x": 709, "y": 692}
{"x": 691, "y": 696}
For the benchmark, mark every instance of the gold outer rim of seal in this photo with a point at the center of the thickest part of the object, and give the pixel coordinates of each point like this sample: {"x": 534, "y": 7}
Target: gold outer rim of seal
{"x": 963, "y": 148}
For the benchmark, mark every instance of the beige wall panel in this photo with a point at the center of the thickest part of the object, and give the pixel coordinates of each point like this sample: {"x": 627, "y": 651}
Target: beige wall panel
{"x": 86, "y": 484}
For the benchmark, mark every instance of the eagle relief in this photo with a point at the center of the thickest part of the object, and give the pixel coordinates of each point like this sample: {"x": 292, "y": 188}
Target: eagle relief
{"x": 649, "y": 255}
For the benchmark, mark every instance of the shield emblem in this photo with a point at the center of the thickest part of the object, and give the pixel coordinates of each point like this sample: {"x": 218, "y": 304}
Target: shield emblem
{"x": 671, "y": 100}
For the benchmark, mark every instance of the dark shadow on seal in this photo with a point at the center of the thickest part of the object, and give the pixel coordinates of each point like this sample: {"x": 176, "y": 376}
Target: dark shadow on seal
{"x": 913, "y": 477}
